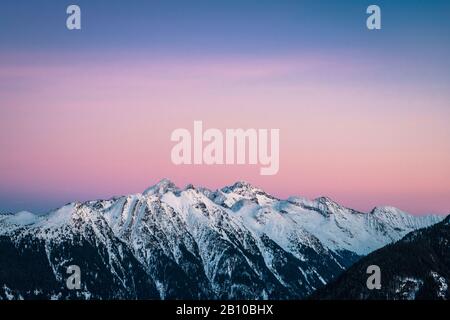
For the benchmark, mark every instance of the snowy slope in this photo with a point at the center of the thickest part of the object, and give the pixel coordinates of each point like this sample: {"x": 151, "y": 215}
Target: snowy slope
{"x": 234, "y": 243}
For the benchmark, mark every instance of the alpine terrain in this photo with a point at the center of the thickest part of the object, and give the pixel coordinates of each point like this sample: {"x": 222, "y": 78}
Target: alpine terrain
{"x": 193, "y": 243}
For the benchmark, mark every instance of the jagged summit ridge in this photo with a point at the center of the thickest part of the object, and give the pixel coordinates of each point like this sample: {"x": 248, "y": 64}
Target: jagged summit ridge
{"x": 161, "y": 187}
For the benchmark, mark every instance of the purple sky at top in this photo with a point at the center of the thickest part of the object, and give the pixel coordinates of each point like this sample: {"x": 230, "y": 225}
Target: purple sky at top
{"x": 363, "y": 115}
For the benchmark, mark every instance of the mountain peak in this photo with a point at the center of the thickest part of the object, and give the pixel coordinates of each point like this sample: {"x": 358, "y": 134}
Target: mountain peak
{"x": 242, "y": 184}
{"x": 327, "y": 206}
{"x": 161, "y": 187}
{"x": 387, "y": 210}
{"x": 242, "y": 187}
{"x": 326, "y": 200}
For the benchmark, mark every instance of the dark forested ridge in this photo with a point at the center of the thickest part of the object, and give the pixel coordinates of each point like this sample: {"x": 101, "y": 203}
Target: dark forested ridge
{"x": 416, "y": 267}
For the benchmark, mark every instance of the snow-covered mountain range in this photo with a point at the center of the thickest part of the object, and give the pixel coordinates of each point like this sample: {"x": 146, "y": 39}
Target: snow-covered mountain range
{"x": 192, "y": 243}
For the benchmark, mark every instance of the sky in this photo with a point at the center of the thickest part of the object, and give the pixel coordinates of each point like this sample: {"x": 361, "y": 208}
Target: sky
{"x": 363, "y": 115}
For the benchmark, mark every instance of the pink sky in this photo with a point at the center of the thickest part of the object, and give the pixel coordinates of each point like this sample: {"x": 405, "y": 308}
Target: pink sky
{"x": 102, "y": 127}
